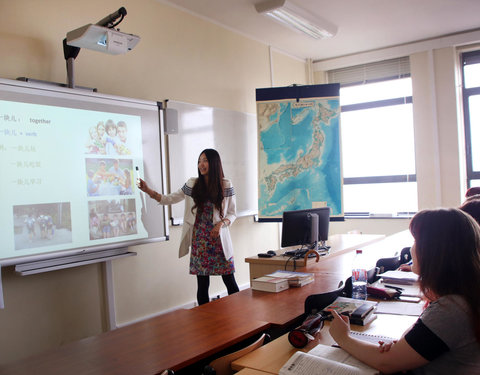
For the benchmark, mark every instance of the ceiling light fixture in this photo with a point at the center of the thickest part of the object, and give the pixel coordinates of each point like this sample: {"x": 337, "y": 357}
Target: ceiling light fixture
{"x": 291, "y": 15}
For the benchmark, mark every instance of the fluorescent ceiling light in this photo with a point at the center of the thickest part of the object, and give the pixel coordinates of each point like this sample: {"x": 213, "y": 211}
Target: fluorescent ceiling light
{"x": 102, "y": 39}
{"x": 291, "y": 15}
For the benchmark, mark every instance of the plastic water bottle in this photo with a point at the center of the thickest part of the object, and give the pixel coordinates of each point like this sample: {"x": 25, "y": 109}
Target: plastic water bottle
{"x": 359, "y": 277}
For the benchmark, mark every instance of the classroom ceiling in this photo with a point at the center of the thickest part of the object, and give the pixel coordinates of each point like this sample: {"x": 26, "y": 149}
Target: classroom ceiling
{"x": 363, "y": 25}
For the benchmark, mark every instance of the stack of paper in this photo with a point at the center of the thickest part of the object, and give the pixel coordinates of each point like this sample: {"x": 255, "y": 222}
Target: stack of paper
{"x": 269, "y": 284}
{"x": 295, "y": 279}
{"x": 399, "y": 277}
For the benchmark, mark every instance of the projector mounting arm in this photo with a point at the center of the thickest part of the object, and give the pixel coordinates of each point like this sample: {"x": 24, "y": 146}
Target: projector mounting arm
{"x": 70, "y": 52}
{"x": 109, "y": 20}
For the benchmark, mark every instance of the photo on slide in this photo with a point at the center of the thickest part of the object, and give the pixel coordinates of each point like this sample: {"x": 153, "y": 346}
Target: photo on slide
{"x": 112, "y": 218}
{"x": 46, "y": 224}
{"x": 109, "y": 177}
{"x": 108, "y": 138}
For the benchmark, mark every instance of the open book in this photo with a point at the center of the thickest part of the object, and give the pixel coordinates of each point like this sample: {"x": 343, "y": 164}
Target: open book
{"x": 323, "y": 360}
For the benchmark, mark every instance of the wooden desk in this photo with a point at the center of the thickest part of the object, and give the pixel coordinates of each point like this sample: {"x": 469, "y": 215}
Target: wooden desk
{"x": 280, "y": 309}
{"x": 342, "y": 266}
{"x": 180, "y": 338}
{"x": 284, "y": 308}
{"x": 272, "y": 356}
{"x": 250, "y": 371}
{"x": 170, "y": 341}
{"x": 339, "y": 244}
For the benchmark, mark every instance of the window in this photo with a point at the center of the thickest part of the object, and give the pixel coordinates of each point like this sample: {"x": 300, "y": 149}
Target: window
{"x": 471, "y": 106}
{"x": 377, "y": 140}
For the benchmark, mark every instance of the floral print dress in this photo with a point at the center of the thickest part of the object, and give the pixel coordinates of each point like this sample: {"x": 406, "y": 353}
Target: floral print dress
{"x": 207, "y": 256}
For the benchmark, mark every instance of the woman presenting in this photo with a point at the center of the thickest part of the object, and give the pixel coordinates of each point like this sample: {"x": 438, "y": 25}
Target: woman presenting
{"x": 209, "y": 210}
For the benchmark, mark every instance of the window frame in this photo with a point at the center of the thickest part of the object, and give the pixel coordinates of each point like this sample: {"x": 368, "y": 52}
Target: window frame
{"x": 384, "y": 178}
{"x": 468, "y": 58}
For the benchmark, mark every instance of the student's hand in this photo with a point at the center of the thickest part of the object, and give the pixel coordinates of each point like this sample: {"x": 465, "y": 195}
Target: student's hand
{"x": 215, "y": 233}
{"x": 385, "y": 346}
{"x": 405, "y": 267}
{"x": 339, "y": 327}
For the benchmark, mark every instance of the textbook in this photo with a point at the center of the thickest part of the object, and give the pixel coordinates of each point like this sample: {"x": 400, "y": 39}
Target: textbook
{"x": 295, "y": 279}
{"x": 323, "y": 360}
{"x": 364, "y": 319}
{"x": 360, "y": 312}
{"x": 269, "y": 284}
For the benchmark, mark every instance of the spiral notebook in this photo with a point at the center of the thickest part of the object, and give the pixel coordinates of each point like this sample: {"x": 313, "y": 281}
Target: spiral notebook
{"x": 371, "y": 338}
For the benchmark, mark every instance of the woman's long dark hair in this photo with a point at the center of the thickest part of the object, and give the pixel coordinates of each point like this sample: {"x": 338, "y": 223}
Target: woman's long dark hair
{"x": 213, "y": 191}
{"x": 447, "y": 246}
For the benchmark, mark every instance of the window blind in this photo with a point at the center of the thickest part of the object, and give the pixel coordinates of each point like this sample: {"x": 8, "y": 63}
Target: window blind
{"x": 372, "y": 72}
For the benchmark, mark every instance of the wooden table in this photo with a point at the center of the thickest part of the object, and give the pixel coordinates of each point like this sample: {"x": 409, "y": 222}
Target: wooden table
{"x": 170, "y": 341}
{"x": 272, "y": 356}
{"x": 284, "y": 308}
{"x": 280, "y": 309}
{"x": 341, "y": 266}
{"x": 181, "y": 338}
{"x": 339, "y": 244}
{"x": 250, "y": 371}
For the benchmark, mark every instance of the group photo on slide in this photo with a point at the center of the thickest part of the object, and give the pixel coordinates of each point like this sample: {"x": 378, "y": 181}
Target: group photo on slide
{"x": 37, "y": 225}
{"x": 108, "y": 138}
{"x": 112, "y": 218}
{"x": 109, "y": 177}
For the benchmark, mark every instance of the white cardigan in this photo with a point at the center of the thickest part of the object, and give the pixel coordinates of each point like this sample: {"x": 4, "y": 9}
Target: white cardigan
{"x": 229, "y": 212}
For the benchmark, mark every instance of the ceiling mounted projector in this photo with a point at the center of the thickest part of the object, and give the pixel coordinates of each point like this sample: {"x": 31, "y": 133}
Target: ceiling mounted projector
{"x": 102, "y": 39}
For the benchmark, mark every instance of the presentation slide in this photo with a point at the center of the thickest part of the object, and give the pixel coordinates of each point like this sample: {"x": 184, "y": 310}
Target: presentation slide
{"x": 69, "y": 178}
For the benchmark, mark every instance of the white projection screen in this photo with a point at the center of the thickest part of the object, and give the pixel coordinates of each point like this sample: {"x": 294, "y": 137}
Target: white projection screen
{"x": 69, "y": 159}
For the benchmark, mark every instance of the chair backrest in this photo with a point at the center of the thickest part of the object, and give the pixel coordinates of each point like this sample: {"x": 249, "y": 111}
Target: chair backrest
{"x": 222, "y": 365}
{"x": 388, "y": 264}
{"x": 315, "y": 303}
{"x": 405, "y": 255}
{"x": 392, "y": 263}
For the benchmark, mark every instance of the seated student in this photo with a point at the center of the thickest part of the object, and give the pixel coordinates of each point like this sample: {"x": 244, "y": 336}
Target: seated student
{"x": 471, "y": 206}
{"x": 446, "y": 337}
{"x": 475, "y": 190}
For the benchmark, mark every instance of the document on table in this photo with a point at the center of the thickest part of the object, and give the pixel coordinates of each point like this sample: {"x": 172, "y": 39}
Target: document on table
{"x": 400, "y": 308}
{"x": 406, "y": 290}
{"x": 399, "y": 277}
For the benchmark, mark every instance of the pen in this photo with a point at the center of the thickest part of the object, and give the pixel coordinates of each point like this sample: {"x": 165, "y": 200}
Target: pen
{"x": 138, "y": 174}
{"x": 336, "y": 346}
{"x": 398, "y": 289}
{"x": 144, "y": 203}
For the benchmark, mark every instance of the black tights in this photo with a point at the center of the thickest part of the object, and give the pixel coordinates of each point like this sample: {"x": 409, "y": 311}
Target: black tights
{"x": 203, "y": 282}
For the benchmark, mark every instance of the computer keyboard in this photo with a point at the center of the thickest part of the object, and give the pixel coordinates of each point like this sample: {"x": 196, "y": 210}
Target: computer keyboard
{"x": 300, "y": 253}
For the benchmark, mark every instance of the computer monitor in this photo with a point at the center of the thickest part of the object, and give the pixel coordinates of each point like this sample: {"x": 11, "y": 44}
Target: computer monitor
{"x": 306, "y": 228}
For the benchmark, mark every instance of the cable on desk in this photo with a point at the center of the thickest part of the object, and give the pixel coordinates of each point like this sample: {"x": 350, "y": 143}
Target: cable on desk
{"x": 294, "y": 262}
